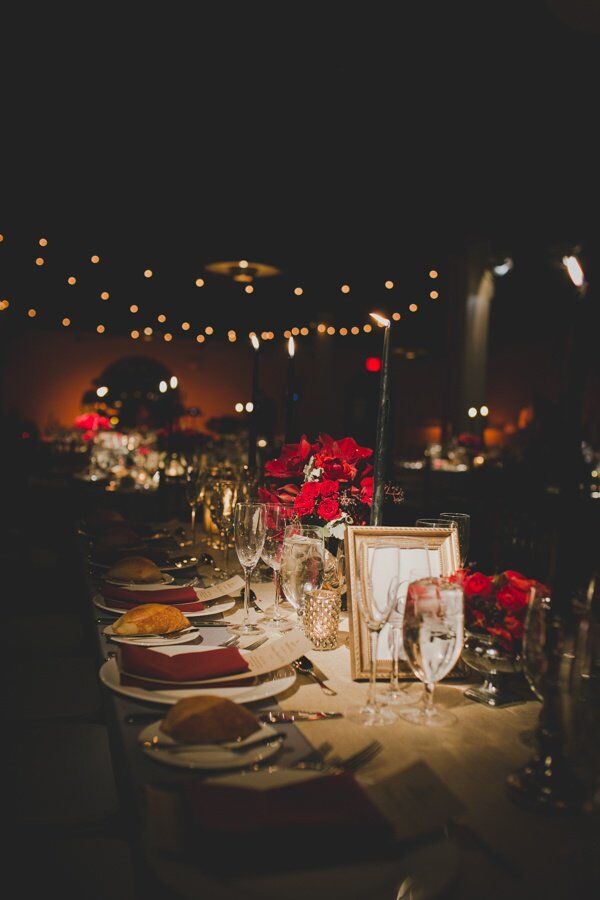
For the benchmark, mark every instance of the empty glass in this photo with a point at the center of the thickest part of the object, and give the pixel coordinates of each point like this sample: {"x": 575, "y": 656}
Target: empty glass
{"x": 463, "y": 523}
{"x": 191, "y": 495}
{"x": 535, "y": 659}
{"x": 377, "y": 591}
{"x": 433, "y": 638}
{"x": 302, "y": 563}
{"x": 277, "y": 519}
{"x": 250, "y": 525}
{"x": 222, "y": 500}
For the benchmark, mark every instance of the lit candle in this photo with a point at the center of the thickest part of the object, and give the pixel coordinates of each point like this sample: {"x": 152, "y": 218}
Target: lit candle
{"x": 253, "y": 421}
{"x": 383, "y": 414}
{"x": 290, "y": 402}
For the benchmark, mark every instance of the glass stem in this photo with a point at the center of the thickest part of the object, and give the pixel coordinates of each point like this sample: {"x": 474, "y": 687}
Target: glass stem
{"x": 428, "y": 698}
{"x": 277, "y": 581}
{"x": 193, "y": 526}
{"x": 246, "y": 594}
{"x": 372, "y": 696}
{"x": 394, "y": 685}
{"x": 226, "y": 566}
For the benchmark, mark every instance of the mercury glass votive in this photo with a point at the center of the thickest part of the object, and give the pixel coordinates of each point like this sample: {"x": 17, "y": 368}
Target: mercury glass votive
{"x": 322, "y": 618}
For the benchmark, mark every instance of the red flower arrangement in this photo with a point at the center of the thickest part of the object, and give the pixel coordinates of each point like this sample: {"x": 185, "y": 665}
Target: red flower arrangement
{"x": 497, "y": 605}
{"x": 336, "y": 485}
{"x": 91, "y": 424}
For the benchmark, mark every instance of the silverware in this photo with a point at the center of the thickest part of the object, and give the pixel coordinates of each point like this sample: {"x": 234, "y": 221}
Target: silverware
{"x": 212, "y": 623}
{"x": 230, "y": 642}
{"x": 269, "y": 740}
{"x": 296, "y": 715}
{"x": 356, "y": 760}
{"x": 305, "y": 666}
{"x": 165, "y": 637}
{"x": 256, "y": 644}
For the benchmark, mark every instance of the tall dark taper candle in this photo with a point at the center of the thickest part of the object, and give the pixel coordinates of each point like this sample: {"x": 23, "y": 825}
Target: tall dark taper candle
{"x": 383, "y": 414}
{"x": 252, "y": 424}
{"x": 290, "y": 402}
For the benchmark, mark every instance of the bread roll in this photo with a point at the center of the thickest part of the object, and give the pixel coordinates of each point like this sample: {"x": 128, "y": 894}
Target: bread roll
{"x": 136, "y": 569}
{"x": 151, "y": 618}
{"x": 208, "y": 720}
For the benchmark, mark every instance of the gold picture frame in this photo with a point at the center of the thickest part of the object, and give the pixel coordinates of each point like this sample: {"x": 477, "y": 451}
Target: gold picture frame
{"x": 442, "y": 554}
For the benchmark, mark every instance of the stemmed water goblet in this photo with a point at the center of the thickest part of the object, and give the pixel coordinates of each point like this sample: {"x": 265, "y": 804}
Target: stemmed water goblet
{"x": 302, "y": 563}
{"x": 277, "y": 518}
{"x": 250, "y": 525}
{"x": 222, "y": 501}
{"x": 378, "y": 592}
{"x": 191, "y": 495}
{"x": 433, "y": 638}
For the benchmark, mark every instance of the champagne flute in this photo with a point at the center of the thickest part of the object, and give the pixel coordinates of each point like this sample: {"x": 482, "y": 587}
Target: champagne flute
{"x": 277, "y": 518}
{"x": 250, "y": 525}
{"x": 191, "y": 495}
{"x": 535, "y": 659}
{"x": 222, "y": 501}
{"x": 378, "y": 588}
{"x": 433, "y": 637}
{"x": 463, "y": 523}
{"x": 302, "y": 563}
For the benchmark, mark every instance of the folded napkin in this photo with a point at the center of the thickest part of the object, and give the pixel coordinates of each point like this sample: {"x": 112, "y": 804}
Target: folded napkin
{"x": 317, "y": 819}
{"x": 160, "y": 595}
{"x": 194, "y": 666}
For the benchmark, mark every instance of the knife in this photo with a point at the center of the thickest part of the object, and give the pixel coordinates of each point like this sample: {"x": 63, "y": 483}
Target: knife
{"x": 296, "y": 715}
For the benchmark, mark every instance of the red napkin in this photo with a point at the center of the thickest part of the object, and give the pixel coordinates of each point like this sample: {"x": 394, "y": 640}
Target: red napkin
{"x": 194, "y": 666}
{"x": 160, "y": 595}
{"x": 183, "y": 607}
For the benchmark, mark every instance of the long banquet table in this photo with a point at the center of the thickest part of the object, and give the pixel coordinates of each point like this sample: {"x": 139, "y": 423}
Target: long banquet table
{"x": 497, "y": 849}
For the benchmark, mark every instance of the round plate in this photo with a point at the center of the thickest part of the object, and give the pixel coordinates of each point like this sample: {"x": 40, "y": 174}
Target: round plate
{"x": 168, "y": 569}
{"x": 139, "y": 641}
{"x": 154, "y": 586}
{"x": 268, "y": 686}
{"x": 212, "y": 610}
{"x": 211, "y": 756}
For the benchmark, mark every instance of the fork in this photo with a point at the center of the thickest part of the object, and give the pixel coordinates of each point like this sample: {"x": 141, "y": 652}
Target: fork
{"x": 358, "y": 759}
{"x": 256, "y": 644}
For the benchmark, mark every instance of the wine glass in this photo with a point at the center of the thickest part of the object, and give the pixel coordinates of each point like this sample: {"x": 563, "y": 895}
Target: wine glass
{"x": 433, "y": 638}
{"x": 378, "y": 590}
{"x": 396, "y": 695}
{"x": 250, "y": 525}
{"x": 302, "y": 563}
{"x": 222, "y": 501}
{"x": 463, "y": 523}
{"x": 277, "y": 518}
{"x": 535, "y": 659}
{"x": 191, "y": 495}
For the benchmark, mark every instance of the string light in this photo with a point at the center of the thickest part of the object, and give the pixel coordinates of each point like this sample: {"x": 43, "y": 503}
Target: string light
{"x": 261, "y": 442}
{"x": 209, "y": 329}
{"x": 484, "y": 410}
{"x": 185, "y": 326}
{"x": 295, "y": 331}
{"x": 331, "y": 330}
{"x": 389, "y": 285}
{"x": 43, "y": 242}
{"x": 367, "y": 328}
{"x": 239, "y": 407}
{"x": 148, "y": 273}
{"x": 298, "y": 291}
{"x": 243, "y": 263}
{"x": 264, "y": 335}
{"x": 162, "y": 318}
{"x": 304, "y": 331}
{"x": 321, "y": 328}
{"x": 200, "y": 338}
{"x": 433, "y": 274}
{"x": 95, "y": 258}
{"x": 345, "y": 289}
{"x": 343, "y": 331}
{"x": 173, "y": 381}
{"x": 32, "y": 313}
{"x": 232, "y": 336}
{"x": 66, "y": 322}
{"x": 1, "y": 238}
{"x": 135, "y": 334}
{"x": 133, "y": 308}
{"x": 162, "y": 387}
{"x": 472, "y": 412}
{"x": 413, "y": 307}
{"x": 355, "y": 329}
{"x": 102, "y": 391}
{"x": 100, "y": 329}
{"x": 249, "y": 289}
{"x": 396, "y": 316}
{"x": 199, "y": 282}
{"x": 287, "y": 334}
{"x": 4, "y": 304}
{"x": 573, "y": 267}
{"x": 147, "y": 331}
{"x": 250, "y": 406}
{"x": 167, "y": 337}
{"x": 104, "y": 295}
{"x": 71, "y": 280}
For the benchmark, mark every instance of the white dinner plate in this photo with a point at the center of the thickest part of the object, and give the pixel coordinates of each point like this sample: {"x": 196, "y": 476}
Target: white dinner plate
{"x": 139, "y": 551}
{"x": 212, "y": 756}
{"x": 154, "y": 586}
{"x": 211, "y": 610}
{"x": 140, "y": 641}
{"x": 265, "y": 686}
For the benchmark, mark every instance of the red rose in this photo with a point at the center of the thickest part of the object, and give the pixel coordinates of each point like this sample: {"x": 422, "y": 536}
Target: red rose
{"x": 329, "y": 509}
{"x": 283, "y": 496}
{"x": 335, "y": 468}
{"x": 515, "y": 626}
{"x": 503, "y": 637}
{"x": 291, "y": 461}
{"x": 519, "y": 581}
{"x": 366, "y": 490}
{"x": 304, "y": 503}
{"x": 478, "y": 585}
{"x": 512, "y": 598}
{"x": 328, "y": 489}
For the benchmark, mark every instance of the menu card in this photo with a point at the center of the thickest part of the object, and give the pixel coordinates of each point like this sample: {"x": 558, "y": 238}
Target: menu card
{"x": 223, "y": 589}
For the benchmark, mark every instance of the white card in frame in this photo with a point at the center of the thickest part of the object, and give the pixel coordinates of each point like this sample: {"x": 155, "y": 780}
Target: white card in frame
{"x": 414, "y": 553}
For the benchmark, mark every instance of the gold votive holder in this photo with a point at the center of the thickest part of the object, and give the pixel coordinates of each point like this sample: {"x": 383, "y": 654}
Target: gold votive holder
{"x": 322, "y": 618}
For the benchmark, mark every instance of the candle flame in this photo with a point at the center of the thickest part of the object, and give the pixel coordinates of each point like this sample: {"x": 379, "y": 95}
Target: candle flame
{"x": 573, "y": 267}
{"x": 381, "y": 320}
{"x": 291, "y": 347}
{"x": 254, "y": 341}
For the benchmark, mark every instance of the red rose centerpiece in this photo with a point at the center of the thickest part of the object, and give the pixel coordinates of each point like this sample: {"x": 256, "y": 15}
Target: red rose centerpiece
{"x": 495, "y": 611}
{"x": 328, "y": 483}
